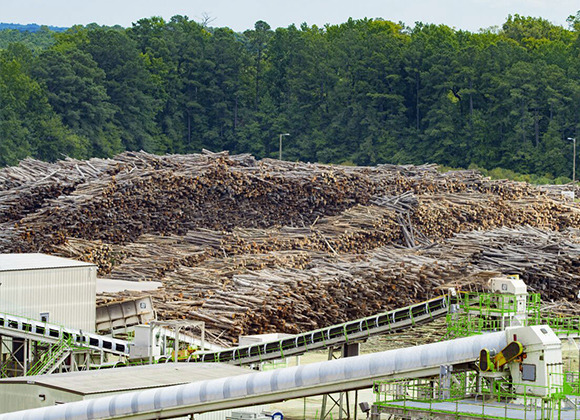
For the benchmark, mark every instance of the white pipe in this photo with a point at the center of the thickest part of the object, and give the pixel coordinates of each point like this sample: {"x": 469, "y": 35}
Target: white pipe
{"x": 244, "y": 390}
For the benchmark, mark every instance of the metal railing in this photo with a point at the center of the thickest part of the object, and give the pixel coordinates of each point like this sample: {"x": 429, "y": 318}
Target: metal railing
{"x": 51, "y": 358}
{"x": 466, "y": 396}
{"x": 23, "y": 327}
{"x": 478, "y": 313}
{"x": 386, "y": 322}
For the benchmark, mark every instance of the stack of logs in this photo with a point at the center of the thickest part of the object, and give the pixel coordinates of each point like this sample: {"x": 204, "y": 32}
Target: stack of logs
{"x": 138, "y": 193}
{"x": 260, "y": 246}
{"x": 295, "y": 291}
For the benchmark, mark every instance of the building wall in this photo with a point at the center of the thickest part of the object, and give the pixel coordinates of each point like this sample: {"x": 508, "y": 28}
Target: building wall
{"x": 67, "y": 294}
{"x": 221, "y": 415}
{"x": 16, "y": 397}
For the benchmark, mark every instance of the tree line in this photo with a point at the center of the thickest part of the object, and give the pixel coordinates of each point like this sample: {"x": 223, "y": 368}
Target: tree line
{"x": 362, "y": 92}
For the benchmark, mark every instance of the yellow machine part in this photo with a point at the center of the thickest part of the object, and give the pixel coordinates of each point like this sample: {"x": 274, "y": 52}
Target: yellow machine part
{"x": 485, "y": 363}
{"x": 508, "y": 353}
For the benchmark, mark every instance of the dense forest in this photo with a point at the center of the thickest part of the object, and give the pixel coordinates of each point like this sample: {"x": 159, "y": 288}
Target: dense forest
{"x": 363, "y": 92}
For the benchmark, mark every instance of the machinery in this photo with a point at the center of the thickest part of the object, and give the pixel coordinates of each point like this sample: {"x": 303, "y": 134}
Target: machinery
{"x": 507, "y": 304}
{"x": 154, "y": 342}
{"x": 533, "y": 369}
{"x": 255, "y": 388}
{"x": 440, "y": 380}
{"x": 502, "y": 363}
{"x": 524, "y": 379}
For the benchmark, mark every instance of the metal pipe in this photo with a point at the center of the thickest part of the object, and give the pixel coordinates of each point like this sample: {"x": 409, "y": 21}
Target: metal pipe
{"x": 271, "y": 386}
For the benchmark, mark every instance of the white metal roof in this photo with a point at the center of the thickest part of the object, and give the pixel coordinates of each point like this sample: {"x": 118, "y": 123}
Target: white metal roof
{"x": 130, "y": 378}
{"x": 114, "y": 286}
{"x": 15, "y": 262}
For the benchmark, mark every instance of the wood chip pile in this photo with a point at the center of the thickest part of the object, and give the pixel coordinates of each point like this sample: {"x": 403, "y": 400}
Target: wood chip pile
{"x": 254, "y": 246}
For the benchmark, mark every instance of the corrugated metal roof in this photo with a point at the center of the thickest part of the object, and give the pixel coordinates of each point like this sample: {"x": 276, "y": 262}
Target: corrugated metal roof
{"x": 15, "y": 262}
{"x": 130, "y": 378}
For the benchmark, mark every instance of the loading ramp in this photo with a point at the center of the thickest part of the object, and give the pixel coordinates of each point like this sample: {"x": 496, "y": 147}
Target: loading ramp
{"x": 329, "y": 337}
{"x": 44, "y": 332}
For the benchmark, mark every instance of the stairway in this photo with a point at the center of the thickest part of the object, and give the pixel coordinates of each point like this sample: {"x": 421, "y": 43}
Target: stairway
{"x": 51, "y": 360}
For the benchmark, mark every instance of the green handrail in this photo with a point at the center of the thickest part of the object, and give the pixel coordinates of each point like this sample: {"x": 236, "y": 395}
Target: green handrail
{"x": 49, "y": 358}
{"x": 4, "y": 371}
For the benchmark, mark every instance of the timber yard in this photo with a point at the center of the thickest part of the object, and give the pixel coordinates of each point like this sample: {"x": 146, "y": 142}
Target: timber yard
{"x": 218, "y": 286}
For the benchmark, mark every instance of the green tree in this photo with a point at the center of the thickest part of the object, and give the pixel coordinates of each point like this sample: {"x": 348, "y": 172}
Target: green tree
{"x": 258, "y": 39}
{"x": 28, "y": 125}
{"x": 76, "y": 91}
{"x": 130, "y": 87}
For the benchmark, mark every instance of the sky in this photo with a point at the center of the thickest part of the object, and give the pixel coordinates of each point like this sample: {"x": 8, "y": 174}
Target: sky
{"x": 240, "y": 15}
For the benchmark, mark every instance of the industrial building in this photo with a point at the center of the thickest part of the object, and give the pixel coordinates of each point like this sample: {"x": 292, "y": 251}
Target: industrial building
{"x": 50, "y": 289}
{"x": 63, "y": 359}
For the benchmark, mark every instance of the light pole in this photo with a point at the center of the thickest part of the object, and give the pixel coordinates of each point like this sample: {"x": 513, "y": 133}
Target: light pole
{"x": 287, "y": 134}
{"x": 573, "y": 160}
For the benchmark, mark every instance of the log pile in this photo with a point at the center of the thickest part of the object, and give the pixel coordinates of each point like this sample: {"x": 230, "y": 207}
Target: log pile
{"x": 300, "y": 291}
{"x": 444, "y": 215}
{"x": 261, "y": 246}
{"x": 138, "y": 193}
{"x": 548, "y": 261}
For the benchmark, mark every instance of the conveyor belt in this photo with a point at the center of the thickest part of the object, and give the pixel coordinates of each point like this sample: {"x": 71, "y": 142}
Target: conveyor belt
{"x": 271, "y": 386}
{"x": 21, "y": 327}
{"x": 336, "y": 335}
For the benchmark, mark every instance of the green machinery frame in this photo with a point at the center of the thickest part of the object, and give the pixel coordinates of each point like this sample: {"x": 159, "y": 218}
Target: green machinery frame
{"x": 468, "y": 395}
{"x": 477, "y": 313}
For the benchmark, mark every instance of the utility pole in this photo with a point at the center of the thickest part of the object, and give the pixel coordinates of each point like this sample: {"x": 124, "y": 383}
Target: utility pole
{"x": 573, "y": 160}
{"x": 287, "y": 134}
